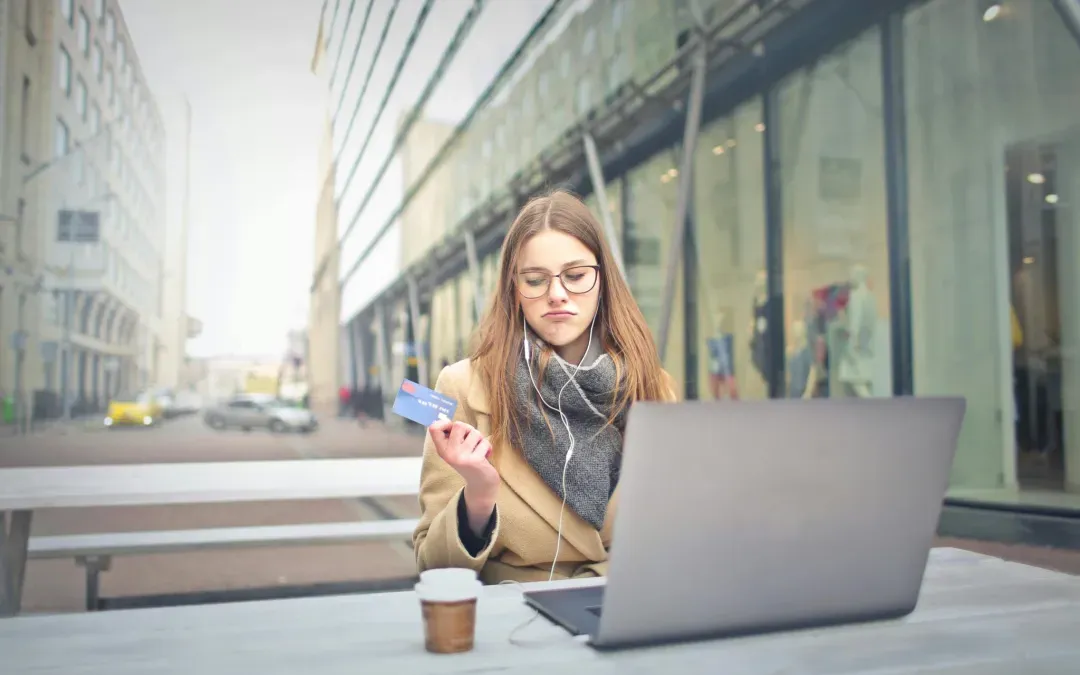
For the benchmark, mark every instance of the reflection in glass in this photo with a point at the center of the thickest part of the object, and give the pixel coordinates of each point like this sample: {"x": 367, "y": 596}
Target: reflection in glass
{"x": 649, "y": 220}
{"x": 729, "y": 238}
{"x": 994, "y": 157}
{"x": 832, "y": 168}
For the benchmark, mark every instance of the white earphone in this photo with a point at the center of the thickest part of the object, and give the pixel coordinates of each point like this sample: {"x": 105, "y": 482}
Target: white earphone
{"x": 562, "y": 416}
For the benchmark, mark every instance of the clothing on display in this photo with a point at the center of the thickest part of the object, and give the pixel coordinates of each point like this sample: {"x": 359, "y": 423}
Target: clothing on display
{"x": 722, "y": 366}
{"x": 826, "y": 305}
{"x": 759, "y": 338}
{"x": 856, "y": 363}
{"x": 720, "y": 352}
{"x": 800, "y": 362}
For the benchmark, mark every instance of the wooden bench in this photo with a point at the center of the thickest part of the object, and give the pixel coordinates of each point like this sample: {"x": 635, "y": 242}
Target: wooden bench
{"x": 94, "y": 552}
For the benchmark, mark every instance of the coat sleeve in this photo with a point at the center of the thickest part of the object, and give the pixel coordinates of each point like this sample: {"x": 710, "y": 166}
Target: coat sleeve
{"x": 436, "y": 540}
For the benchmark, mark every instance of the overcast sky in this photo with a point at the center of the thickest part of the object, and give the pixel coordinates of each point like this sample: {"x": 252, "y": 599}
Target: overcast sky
{"x": 257, "y": 110}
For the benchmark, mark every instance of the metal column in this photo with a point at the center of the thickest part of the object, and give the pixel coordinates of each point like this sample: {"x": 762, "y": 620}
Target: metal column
{"x": 383, "y": 354}
{"x": 14, "y": 539}
{"x": 1070, "y": 14}
{"x": 474, "y": 268}
{"x": 350, "y": 343}
{"x": 675, "y": 248}
{"x": 596, "y": 174}
{"x": 418, "y": 342}
{"x": 896, "y": 204}
{"x": 69, "y": 351}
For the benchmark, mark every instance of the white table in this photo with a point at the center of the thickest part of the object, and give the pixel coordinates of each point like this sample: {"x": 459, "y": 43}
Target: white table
{"x": 24, "y": 490}
{"x": 977, "y": 615}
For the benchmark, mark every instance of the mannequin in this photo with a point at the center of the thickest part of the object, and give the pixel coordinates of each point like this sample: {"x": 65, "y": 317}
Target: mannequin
{"x": 856, "y": 367}
{"x": 801, "y": 371}
{"x": 759, "y": 342}
{"x": 721, "y": 364}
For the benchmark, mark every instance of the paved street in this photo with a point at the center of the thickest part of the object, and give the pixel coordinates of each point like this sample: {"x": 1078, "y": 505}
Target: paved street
{"x": 59, "y": 585}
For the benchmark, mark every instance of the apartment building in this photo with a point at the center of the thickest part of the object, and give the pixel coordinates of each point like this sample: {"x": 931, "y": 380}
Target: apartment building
{"x": 83, "y": 178}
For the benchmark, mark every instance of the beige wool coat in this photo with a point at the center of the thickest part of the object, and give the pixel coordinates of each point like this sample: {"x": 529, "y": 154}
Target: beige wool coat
{"x": 522, "y": 544}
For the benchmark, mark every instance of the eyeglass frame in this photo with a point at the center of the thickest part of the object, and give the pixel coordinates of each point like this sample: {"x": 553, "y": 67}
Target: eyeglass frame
{"x": 550, "y": 277}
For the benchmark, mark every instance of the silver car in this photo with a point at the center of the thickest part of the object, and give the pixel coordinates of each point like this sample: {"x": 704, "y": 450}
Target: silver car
{"x": 251, "y": 411}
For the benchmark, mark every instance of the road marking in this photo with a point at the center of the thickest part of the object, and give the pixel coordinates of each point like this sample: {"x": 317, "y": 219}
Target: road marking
{"x": 364, "y": 508}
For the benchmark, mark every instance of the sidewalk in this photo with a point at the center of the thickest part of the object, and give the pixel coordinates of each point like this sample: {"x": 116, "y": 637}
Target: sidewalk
{"x": 344, "y": 437}
{"x": 56, "y": 427}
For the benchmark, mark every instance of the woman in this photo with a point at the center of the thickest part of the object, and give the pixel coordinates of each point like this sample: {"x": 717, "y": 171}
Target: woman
{"x": 512, "y": 471}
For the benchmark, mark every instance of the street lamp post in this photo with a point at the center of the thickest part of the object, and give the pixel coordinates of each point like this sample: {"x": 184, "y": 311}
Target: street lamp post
{"x": 69, "y": 319}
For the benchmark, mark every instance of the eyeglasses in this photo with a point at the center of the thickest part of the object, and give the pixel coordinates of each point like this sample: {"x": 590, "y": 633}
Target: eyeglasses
{"x": 577, "y": 280}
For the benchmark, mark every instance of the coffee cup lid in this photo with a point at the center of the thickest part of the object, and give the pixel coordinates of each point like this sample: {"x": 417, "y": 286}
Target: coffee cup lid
{"x": 455, "y": 592}
{"x": 446, "y": 575}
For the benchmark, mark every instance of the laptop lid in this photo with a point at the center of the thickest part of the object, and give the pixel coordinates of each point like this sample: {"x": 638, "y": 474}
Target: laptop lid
{"x": 755, "y": 516}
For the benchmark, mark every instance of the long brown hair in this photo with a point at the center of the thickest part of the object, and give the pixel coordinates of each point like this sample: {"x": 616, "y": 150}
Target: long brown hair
{"x": 623, "y": 332}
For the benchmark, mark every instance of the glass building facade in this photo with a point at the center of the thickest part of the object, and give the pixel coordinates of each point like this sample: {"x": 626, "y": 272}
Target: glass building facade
{"x": 884, "y": 202}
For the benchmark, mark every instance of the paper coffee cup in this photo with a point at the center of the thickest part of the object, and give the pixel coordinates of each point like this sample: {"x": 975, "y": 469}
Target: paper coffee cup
{"x": 449, "y": 613}
{"x": 447, "y": 575}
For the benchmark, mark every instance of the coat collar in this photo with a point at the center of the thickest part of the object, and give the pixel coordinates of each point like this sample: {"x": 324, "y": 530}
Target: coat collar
{"x": 476, "y": 396}
{"x": 527, "y": 484}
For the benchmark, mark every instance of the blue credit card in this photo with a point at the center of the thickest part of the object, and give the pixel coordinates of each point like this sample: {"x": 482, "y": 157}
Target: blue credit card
{"x": 422, "y": 405}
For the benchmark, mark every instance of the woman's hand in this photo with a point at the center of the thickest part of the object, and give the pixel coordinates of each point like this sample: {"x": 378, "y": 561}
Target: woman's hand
{"x": 466, "y": 450}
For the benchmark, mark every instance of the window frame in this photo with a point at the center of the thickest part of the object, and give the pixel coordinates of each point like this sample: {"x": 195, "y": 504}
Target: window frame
{"x": 82, "y": 32}
{"x": 65, "y": 77}
{"x": 59, "y": 127}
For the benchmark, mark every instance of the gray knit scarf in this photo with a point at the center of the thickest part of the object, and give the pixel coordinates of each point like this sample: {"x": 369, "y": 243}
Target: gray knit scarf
{"x": 593, "y": 472}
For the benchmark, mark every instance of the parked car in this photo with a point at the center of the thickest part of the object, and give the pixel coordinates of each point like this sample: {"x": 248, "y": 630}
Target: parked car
{"x": 142, "y": 409}
{"x": 255, "y": 411}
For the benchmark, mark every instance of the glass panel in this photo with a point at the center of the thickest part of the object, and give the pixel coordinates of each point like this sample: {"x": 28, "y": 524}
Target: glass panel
{"x": 60, "y": 140}
{"x": 994, "y": 153}
{"x": 613, "y": 191}
{"x": 836, "y": 283}
{"x": 84, "y": 32}
{"x": 80, "y": 97}
{"x": 729, "y": 237}
{"x": 65, "y": 71}
{"x": 652, "y": 189}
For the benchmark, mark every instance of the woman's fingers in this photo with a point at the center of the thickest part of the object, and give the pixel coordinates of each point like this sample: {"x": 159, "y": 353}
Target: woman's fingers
{"x": 459, "y": 443}
{"x": 482, "y": 449}
{"x": 458, "y": 432}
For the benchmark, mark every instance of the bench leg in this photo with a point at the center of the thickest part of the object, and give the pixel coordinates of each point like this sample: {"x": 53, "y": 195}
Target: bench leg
{"x": 13, "y": 543}
{"x": 94, "y": 566}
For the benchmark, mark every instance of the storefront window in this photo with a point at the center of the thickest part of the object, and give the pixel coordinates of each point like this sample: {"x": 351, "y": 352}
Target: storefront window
{"x": 994, "y": 176}
{"x": 651, "y": 192}
{"x": 832, "y": 170}
{"x": 729, "y": 250}
{"x": 613, "y": 192}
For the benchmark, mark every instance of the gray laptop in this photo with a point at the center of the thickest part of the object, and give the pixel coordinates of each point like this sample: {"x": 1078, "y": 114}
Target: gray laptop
{"x": 747, "y": 517}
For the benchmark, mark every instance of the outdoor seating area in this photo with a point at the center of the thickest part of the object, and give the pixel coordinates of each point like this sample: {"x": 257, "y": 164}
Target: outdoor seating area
{"x": 24, "y": 491}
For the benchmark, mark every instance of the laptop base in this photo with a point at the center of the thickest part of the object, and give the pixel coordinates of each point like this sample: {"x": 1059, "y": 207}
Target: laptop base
{"x": 575, "y": 609}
